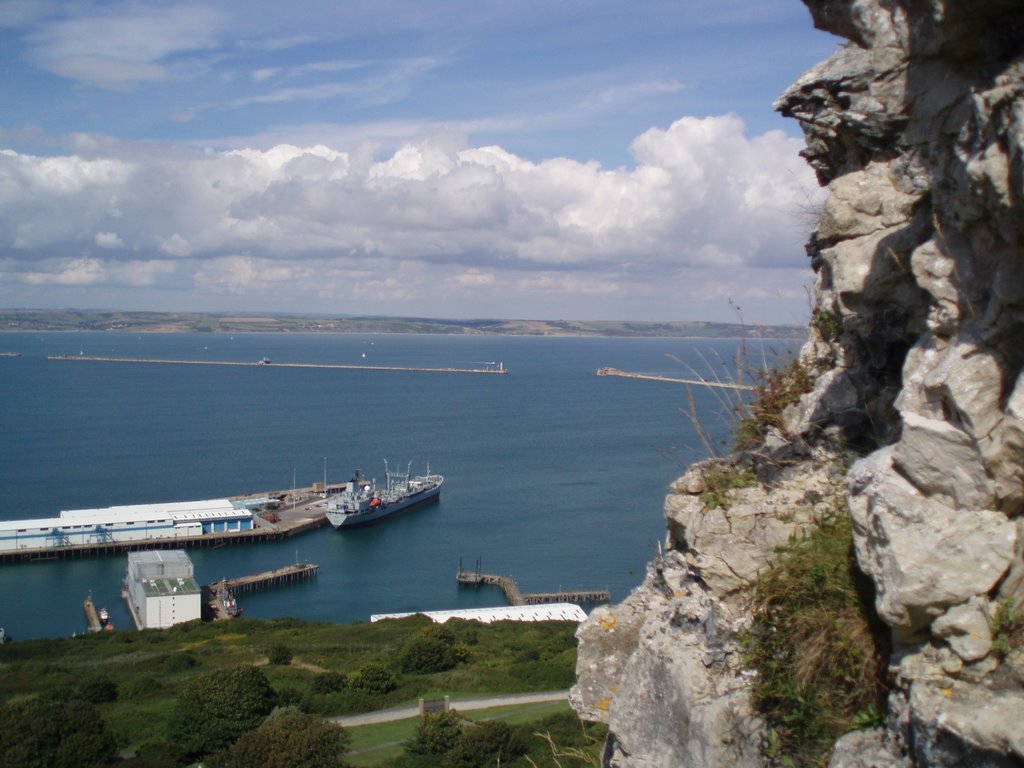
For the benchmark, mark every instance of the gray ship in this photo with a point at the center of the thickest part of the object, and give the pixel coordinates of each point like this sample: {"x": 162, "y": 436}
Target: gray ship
{"x": 361, "y": 503}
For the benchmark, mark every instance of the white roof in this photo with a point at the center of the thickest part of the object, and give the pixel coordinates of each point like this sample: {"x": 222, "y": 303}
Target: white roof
{"x": 549, "y": 612}
{"x": 176, "y": 511}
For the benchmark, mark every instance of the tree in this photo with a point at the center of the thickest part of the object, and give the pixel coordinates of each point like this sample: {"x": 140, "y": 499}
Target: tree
{"x": 436, "y": 733}
{"x": 280, "y": 654}
{"x": 214, "y": 709}
{"x": 40, "y": 733}
{"x": 291, "y": 739}
{"x": 487, "y": 743}
{"x": 433, "y": 649}
{"x": 372, "y": 678}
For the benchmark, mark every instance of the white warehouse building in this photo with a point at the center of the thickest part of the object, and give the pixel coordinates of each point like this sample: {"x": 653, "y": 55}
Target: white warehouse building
{"x": 138, "y": 522}
{"x": 161, "y": 589}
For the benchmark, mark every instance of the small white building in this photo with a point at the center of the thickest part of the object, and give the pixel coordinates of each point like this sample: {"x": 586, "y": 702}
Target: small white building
{"x": 161, "y": 590}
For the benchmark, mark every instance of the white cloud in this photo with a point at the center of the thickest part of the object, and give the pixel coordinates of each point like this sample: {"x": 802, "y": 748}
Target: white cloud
{"x": 121, "y": 47}
{"x": 109, "y": 240}
{"x": 705, "y": 208}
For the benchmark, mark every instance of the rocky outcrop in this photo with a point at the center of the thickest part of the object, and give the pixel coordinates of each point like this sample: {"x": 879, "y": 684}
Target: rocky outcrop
{"x": 917, "y": 127}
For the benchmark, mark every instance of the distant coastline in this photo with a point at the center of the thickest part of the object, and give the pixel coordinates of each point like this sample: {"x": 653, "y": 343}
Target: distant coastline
{"x": 199, "y": 322}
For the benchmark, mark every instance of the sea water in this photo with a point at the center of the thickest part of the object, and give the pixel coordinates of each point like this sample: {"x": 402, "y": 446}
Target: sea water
{"x": 553, "y": 475}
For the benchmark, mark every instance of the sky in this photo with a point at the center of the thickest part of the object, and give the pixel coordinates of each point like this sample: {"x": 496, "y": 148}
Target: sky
{"x": 541, "y": 159}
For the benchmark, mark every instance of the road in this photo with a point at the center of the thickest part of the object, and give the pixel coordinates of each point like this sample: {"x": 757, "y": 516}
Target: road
{"x": 463, "y": 705}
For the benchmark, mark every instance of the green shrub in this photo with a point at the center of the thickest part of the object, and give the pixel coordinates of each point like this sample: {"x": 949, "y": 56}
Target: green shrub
{"x": 433, "y": 649}
{"x": 436, "y": 733}
{"x": 775, "y": 389}
{"x": 372, "y": 678}
{"x": 329, "y": 682}
{"x": 486, "y": 743}
{"x": 279, "y": 654}
{"x": 1007, "y": 628}
{"x": 721, "y": 479}
{"x": 290, "y": 739}
{"x": 97, "y": 690}
{"x": 39, "y": 733}
{"x": 818, "y": 647}
{"x": 216, "y": 708}
{"x": 179, "y": 662}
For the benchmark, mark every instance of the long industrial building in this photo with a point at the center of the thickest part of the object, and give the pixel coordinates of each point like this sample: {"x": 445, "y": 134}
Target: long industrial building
{"x": 161, "y": 590}
{"x": 548, "y": 612}
{"x": 138, "y": 522}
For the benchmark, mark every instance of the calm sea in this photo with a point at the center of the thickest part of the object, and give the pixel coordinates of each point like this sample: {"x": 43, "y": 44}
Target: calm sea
{"x": 552, "y": 474}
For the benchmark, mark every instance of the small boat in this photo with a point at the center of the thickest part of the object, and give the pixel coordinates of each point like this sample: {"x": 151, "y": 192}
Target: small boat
{"x": 104, "y": 617}
{"x": 361, "y": 503}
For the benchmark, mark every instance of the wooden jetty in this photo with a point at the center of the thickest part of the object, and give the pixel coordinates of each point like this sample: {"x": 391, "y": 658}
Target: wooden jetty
{"x": 697, "y": 382}
{"x": 515, "y": 596}
{"x": 500, "y": 370}
{"x": 274, "y": 578}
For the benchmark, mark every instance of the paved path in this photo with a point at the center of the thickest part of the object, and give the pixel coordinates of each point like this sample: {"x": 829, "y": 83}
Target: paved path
{"x": 463, "y": 705}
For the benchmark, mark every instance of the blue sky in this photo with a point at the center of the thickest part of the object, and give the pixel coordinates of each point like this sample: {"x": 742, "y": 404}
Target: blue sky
{"x": 587, "y": 159}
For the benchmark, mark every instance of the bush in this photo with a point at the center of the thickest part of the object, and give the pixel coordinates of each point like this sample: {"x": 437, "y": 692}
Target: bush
{"x": 372, "y": 678}
{"x": 279, "y": 654}
{"x": 818, "y": 647}
{"x": 98, "y": 690}
{"x": 291, "y": 739}
{"x": 216, "y": 708}
{"x": 430, "y": 650}
{"x": 436, "y": 733}
{"x": 179, "y": 662}
{"x": 486, "y": 743}
{"x": 329, "y": 682}
{"x": 39, "y": 733}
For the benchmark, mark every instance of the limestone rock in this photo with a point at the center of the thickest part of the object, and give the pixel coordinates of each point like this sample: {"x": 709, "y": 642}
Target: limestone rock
{"x": 923, "y": 556}
{"x": 964, "y": 725}
{"x": 867, "y": 749}
{"x": 966, "y": 629}
{"x": 917, "y": 127}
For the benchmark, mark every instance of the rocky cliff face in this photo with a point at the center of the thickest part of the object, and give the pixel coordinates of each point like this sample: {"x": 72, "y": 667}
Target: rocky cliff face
{"x": 917, "y": 128}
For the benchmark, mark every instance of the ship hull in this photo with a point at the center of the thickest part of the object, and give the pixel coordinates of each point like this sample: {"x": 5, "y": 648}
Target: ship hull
{"x": 356, "y": 520}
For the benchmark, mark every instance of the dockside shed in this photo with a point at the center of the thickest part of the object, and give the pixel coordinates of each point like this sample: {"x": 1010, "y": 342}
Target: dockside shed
{"x": 161, "y": 589}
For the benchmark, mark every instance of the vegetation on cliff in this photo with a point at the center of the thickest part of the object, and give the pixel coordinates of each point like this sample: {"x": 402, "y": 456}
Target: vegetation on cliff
{"x": 818, "y": 646}
{"x": 195, "y": 689}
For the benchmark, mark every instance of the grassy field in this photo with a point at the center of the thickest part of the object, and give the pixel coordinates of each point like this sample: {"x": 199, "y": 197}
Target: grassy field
{"x": 149, "y": 668}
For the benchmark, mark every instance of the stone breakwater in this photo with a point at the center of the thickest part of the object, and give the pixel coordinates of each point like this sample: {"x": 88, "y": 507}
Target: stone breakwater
{"x": 916, "y": 126}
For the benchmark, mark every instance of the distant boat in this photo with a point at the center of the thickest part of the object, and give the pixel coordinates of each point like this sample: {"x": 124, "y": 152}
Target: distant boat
{"x": 264, "y": 361}
{"x": 362, "y": 504}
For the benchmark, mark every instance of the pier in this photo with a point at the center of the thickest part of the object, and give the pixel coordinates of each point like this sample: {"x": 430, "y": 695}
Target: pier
{"x": 697, "y": 382}
{"x": 515, "y": 596}
{"x": 499, "y": 370}
{"x": 264, "y": 532}
{"x": 274, "y": 578}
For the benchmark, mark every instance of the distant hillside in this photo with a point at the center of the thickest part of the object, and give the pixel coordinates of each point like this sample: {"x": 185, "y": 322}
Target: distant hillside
{"x": 195, "y": 322}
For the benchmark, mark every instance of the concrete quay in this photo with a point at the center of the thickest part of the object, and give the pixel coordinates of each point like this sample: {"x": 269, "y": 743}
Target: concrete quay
{"x": 302, "y": 514}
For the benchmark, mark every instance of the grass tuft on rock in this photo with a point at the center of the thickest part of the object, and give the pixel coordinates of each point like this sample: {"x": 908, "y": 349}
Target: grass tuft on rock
{"x": 818, "y": 646}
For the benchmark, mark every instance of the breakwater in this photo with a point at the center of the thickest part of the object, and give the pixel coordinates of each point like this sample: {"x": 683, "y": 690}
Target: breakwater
{"x": 499, "y": 369}
{"x": 606, "y": 371}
